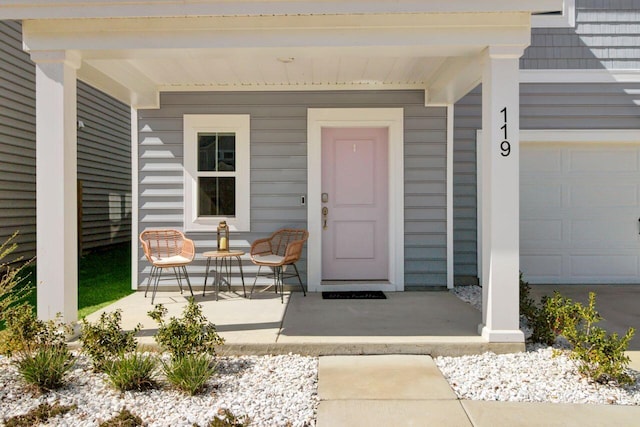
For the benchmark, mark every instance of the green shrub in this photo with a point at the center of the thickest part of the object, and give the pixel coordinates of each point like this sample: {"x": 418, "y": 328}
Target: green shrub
{"x": 26, "y": 333}
{"x": 106, "y": 340}
{"x": 13, "y": 285}
{"x": 38, "y": 415}
{"x": 46, "y": 367}
{"x": 191, "y": 334}
{"x": 228, "y": 419}
{"x": 124, "y": 419}
{"x": 189, "y": 373}
{"x": 133, "y": 371}
{"x": 601, "y": 356}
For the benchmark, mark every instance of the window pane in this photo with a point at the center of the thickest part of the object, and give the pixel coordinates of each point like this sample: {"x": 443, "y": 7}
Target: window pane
{"x": 226, "y": 152}
{"x": 207, "y": 151}
{"x": 216, "y": 152}
{"x": 217, "y": 196}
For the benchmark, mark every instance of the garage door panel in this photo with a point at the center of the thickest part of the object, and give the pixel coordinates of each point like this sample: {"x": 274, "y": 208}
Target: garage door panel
{"x": 544, "y": 265}
{"x": 544, "y": 195}
{"x": 608, "y": 267}
{"x": 599, "y": 195}
{"x": 601, "y": 161}
{"x": 579, "y": 210}
{"x": 549, "y": 230}
{"x": 604, "y": 233}
{"x": 542, "y": 159}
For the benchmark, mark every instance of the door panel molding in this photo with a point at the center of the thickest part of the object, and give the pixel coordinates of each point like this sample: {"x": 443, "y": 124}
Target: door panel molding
{"x": 392, "y": 118}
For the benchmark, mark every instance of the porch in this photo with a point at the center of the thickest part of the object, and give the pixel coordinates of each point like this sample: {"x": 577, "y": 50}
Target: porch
{"x": 434, "y": 322}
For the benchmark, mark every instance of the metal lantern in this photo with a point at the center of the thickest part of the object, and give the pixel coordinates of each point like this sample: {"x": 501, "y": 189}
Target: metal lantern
{"x": 223, "y": 237}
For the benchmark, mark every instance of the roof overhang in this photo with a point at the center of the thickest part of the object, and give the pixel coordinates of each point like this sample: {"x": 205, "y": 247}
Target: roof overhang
{"x": 53, "y": 9}
{"x": 431, "y": 45}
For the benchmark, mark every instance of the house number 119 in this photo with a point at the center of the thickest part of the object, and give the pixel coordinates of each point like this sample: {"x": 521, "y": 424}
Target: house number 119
{"x": 505, "y": 146}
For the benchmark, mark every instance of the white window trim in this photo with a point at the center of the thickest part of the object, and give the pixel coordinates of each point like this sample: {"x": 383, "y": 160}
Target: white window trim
{"x": 566, "y": 19}
{"x": 238, "y": 124}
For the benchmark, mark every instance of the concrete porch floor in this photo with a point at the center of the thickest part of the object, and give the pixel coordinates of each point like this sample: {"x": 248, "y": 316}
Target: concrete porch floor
{"x": 435, "y": 323}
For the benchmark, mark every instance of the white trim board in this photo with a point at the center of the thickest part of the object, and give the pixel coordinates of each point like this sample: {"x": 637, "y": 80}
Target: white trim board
{"x": 393, "y": 118}
{"x": 560, "y": 136}
{"x": 579, "y": 76}
{"x": 135, "y": 245}
{"x": 450, "y": 140}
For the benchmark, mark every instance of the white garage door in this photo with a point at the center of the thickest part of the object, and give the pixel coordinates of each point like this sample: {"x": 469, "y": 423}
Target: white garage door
{"x": 579, "y": 213}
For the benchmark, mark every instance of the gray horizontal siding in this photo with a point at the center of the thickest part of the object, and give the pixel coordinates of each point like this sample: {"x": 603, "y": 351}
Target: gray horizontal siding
{"x": 104, "y": 168}
{"x": 542, "y": 106}
{"x": 607, "y": 35}
{"x": 17, "y": 141}
{"x": 279, "y": 169}
{"x": 104, "y": 154}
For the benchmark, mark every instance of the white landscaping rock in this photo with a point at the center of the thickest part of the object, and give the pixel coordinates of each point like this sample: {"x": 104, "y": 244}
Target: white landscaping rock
{"x": 537, "y": 375}
{"x": 271, "y": 390}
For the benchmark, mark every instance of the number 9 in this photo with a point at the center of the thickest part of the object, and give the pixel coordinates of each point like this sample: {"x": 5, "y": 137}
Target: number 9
{"x": 505, "y": 147}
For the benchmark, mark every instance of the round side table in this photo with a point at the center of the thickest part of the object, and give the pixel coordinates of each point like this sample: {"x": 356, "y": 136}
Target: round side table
{"x": 222, "y": 261}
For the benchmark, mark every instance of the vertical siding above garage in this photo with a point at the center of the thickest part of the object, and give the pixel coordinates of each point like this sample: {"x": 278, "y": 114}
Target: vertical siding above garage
{"x": 104, "y": 168}
{"x": 17, "y": 140}
{"x": 279, "y": 169}
{"x": 606, "y": 35}
{"x": 542, "y": 106}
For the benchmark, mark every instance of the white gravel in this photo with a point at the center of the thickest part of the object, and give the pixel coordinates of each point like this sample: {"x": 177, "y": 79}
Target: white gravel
{"x": 537, "y": 375}
{"x": 282, "y": 390}
{"x": 271, "y": 390}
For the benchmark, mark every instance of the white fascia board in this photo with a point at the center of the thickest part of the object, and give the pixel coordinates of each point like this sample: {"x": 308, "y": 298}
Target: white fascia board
{"x": 98, "y": 36}
{"x": 52, "y": 9}
{"x": 579, "y": 76}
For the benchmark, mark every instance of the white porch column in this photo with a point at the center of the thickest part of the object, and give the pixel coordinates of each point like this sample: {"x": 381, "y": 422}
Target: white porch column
{"x": 500, "y": 194}
{"x": 56, "y": 191}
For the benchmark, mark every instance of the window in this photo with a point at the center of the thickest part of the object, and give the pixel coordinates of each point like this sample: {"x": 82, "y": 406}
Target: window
{"x": 559, "y": 18}
{"x": 217, "y": 171}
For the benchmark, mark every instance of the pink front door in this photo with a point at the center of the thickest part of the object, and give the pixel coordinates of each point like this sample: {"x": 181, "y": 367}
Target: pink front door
{"x": 355, "y": 204}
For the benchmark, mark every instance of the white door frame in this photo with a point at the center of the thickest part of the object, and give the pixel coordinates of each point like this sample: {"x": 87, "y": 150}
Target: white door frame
{"x": 392, "y": 118}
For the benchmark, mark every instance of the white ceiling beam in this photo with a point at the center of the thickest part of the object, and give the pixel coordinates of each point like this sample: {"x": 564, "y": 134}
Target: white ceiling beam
{"x": 453, "y": 80}
{"x": 37, "y": 9}
{"x": 122, "y": 81}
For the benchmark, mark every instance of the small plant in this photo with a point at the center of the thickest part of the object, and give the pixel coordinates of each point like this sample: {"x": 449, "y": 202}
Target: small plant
{"x": 189, "y": 373}
{"x": 39, "y": 415}
{"x": 46, "y": 368}
{"x": 106, "y": 340}
{"x": 192, "y": 334}
{"x": 133, "y": 371}
{"x": 13, "y": 285}
{"x": 124, "y": 419}
{"x": 602, "y": 357}
{"x": 43, "y": 358}
{"x": 226, "y": 418}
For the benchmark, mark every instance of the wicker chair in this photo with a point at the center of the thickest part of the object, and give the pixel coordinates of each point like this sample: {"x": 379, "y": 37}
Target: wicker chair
{"x": 278, "y": 251}
{"x": 167, "y": 249}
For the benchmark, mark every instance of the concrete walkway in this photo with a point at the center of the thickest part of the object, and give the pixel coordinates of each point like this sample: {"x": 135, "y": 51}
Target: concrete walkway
{"x": 409, "y": 390}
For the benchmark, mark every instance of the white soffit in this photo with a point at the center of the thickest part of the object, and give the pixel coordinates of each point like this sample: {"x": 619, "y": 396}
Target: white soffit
{"x": 397, "y": 51}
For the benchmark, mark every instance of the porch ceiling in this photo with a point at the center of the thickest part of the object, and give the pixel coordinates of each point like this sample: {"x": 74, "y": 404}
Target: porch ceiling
{"x": 135, "y": 59}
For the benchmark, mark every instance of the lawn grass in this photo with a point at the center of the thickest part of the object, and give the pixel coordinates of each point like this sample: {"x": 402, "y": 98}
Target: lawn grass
{"x": 104, "y": 276}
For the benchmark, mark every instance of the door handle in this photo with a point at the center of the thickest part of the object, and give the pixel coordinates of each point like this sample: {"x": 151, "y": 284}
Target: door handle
{"x": 325, "y": 212}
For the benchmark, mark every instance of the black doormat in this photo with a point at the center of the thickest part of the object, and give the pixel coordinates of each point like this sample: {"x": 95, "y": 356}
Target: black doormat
{"x": 354, "y": 295}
